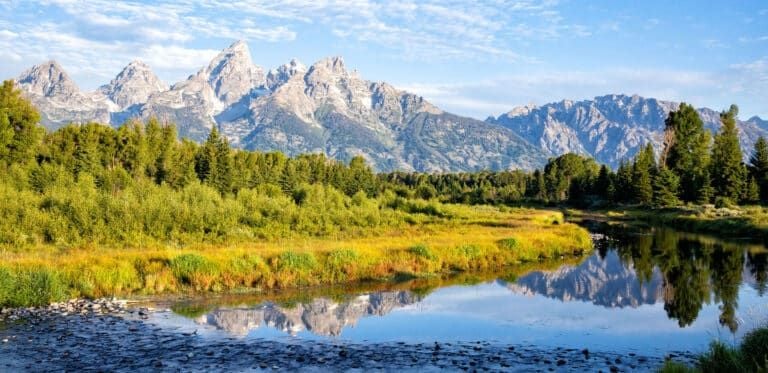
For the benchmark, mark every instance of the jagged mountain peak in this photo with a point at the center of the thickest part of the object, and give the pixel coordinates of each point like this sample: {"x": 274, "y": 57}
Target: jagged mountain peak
{"x": 238, "y": 45}
{"x": 47, "y": 79}
{"x": 518, "y": 111}
{"x": 232, "y": 73}
{"x": 284, "y": 72}
{"x": 137, "y": 65}
{"x": 133, "y": 85}
{"x": 334, "y": 65}
{"x": 59, "y": 99}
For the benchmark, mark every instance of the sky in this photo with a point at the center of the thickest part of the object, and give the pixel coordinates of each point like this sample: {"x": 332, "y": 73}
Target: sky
{"x": 475, "y": 58}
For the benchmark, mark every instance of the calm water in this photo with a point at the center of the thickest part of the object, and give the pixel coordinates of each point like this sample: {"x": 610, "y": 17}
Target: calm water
{"x": 647, "y": 292}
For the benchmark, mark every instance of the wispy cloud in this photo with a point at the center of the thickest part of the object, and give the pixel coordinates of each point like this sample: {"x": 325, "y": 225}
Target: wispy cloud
{"x": 427, "y": 29}
{"x": 502, "y": 93}
{"x": 90, "y": 35}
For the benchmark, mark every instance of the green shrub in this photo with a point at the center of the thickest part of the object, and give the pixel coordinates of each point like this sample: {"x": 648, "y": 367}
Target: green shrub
{"x": 298, "y": 262}
{"x": 341, "y": 263}
{"x": 470, "y": 252}
{"x": 422, "y": 251}
{"x": 187, "y": 267}
{"x": 754, "y": 349}
{"x": 721, "y": 358}
{"x": 35, "y": 287}
{"x": 724, "y": 202}
{"x": 342, "y": 257}
{"x": 508, "y": 243}
{"x": 6, "y": 286}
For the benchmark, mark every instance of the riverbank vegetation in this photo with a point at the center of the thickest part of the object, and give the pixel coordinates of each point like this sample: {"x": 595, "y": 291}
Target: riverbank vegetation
{"x": 749, "y": 356}
{"x": 467, "y": 238}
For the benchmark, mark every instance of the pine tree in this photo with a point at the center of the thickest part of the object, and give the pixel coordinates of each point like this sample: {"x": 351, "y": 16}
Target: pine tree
{"x": 604, "y": 183}
{"x": 213, "y": 163}
{"x": 728, "y": 172}
{"x": 623, "y": 184}
{"x": 540, "y": 186}
{"x": 706, "y": 191}
{"x": 758, "y": 167}
{"x": 665, "y": 188}
{"x": 687, "y": 150}
{"x": 20, "y": 134}
{"x": 751, "y": 192}
{"x": 642, "y": 175}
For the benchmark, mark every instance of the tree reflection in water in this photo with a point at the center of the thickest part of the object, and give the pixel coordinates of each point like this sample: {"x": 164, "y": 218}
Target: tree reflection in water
{"x": 695, "y": 270}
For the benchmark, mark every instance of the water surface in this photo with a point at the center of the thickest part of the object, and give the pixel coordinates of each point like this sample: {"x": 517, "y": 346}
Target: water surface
{"x": 641, "y": 292}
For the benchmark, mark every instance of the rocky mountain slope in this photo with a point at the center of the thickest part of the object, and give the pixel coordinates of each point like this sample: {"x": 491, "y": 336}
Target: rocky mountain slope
{"x": 324, "y": 108}
{"x": 609, "y": 128}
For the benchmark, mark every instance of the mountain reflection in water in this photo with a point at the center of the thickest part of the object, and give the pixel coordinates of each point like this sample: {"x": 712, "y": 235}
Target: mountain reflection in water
{"x": 321, "y": 316}
{"x": 628, "y": 271}
{"x": 684, "y": 271}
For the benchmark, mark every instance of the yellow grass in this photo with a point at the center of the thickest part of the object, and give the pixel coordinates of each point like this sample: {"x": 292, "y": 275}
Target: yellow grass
{"x": 474, "y": 238}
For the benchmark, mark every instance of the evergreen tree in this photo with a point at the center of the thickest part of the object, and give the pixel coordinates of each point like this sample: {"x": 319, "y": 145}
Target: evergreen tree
{"x": 758, "y": 167}
{"x": 132, "y": 148}
{"x": 540, "y": 186}
{"x": 213, "y": 163}
{"x": 623, "y": 184}
{"x": 751, "y": 191}
{"x": 706, "y": 191}
{"x": 687, "y": 153}
{"x": 728, "y": 173}
{"x": 642, "y": 175}
{"x": 665, "y": 188}
{"x": 604, "y": 184}
{"x": 20, "y": 134}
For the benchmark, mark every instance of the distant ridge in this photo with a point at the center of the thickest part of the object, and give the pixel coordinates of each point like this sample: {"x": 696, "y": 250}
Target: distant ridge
{"x": 609, "y": 128}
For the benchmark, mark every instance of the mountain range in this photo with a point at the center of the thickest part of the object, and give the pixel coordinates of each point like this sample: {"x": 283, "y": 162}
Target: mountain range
{"x": 609, "y": 128}
{"x": 323, "y": 108}
{"x": 326, "y": 108}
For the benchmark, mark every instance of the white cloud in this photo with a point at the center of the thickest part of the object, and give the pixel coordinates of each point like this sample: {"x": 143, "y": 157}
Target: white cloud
{"x": 426, "y": 29}
{"x": 173, "y": 58}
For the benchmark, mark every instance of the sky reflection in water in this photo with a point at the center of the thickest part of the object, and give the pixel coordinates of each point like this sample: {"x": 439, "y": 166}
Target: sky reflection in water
{"x": 649, "y": 293}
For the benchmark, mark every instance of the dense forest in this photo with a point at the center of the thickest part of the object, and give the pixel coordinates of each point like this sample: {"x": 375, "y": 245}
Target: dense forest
{"x": 59, "y": 187}
{"x": 692, "y": 168}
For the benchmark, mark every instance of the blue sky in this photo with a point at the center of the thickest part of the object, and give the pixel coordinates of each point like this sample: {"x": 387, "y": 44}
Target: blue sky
{"x": 472, "y": 58}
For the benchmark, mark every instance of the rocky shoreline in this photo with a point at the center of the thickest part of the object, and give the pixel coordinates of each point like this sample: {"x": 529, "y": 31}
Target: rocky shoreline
{"x": 111, "y": 335}
{"x": 78, "y": 306}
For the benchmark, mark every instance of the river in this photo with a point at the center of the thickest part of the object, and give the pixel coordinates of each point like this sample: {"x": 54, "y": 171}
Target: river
{"x": 643, "y": 295}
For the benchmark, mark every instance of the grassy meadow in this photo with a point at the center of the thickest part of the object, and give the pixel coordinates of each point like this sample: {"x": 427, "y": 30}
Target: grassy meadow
{"x": 452, "y": 238}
